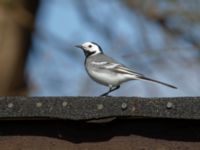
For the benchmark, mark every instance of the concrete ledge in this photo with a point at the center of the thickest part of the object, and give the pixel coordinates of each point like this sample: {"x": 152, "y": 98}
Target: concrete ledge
{"x": 89, "y": 108}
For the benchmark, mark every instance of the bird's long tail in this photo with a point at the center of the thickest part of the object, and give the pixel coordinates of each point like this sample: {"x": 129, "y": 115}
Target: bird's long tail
{"x": 156, "y": 81}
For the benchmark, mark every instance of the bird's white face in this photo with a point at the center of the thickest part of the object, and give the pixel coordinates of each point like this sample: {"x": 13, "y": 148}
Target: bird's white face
{"x": 91, "y": 47}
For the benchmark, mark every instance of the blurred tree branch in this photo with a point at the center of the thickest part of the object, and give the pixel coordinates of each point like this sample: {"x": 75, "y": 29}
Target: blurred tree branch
{"x": 176, "y": 17}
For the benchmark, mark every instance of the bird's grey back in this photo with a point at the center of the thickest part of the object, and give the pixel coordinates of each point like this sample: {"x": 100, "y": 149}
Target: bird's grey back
{"x": 101, "y": 58}
{"x": 93, "y": 62}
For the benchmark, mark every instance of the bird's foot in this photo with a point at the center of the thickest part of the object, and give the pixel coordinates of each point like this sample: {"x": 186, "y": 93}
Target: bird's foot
{"x": 104, "y": 95}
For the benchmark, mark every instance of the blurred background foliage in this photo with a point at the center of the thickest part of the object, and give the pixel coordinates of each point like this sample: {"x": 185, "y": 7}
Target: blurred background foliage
{"x": 158, "y": 38}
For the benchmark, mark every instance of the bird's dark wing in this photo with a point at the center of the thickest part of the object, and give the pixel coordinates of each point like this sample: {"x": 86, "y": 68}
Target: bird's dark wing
{"x": 125, "y": 70}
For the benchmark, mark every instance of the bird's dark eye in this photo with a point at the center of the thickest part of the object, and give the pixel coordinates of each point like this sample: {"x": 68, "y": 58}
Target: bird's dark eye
{"x": 90, "y": 46}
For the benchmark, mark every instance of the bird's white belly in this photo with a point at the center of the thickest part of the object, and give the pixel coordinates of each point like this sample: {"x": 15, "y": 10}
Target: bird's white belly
{"x": 108, "y": 79}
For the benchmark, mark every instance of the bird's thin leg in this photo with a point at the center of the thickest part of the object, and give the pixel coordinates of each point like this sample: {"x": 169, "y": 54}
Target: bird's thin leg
{"x": 110, "y": 90}
{"x": 106, "y": 94}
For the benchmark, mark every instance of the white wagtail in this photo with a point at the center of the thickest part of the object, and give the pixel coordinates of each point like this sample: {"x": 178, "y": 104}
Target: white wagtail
{"x": 106, "y": 71}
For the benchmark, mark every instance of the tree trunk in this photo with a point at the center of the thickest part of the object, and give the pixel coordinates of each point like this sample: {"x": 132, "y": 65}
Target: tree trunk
{"x": 16, "y": 24}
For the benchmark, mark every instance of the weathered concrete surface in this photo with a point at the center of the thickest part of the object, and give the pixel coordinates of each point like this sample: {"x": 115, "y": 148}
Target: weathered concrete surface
{"x": 61, "y": 123}
{"x": 86, "y": 108}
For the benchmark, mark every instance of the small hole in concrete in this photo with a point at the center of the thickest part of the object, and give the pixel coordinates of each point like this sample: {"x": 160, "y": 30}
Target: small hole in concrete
{"x": 39, "y": 104}
{"x": 100, "y": 106}
{"x": 64, "y": 104}
{"x": 170, "y": 105}
{"x": 133, "y": 108}
{"x": 124, "y": 106}
{"x": 10, "y": 105}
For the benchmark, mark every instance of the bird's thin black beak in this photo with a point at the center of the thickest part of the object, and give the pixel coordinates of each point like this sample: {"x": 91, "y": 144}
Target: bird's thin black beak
{"x": 79, "y": 46}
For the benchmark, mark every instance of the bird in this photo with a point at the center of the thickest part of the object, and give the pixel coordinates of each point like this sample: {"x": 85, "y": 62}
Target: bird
{"x": 109, "y": 72}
